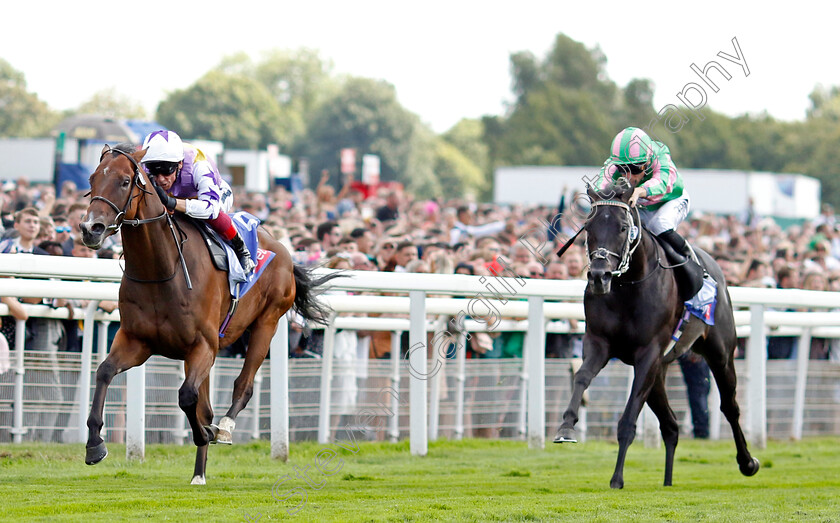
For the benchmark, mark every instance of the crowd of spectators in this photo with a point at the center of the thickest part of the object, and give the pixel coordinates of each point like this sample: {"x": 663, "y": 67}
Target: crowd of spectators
{"x": 386, "y": 229}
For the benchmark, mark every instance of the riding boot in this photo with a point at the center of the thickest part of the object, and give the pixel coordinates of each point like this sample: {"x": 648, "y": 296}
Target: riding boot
{"x": 242, "y": 253}
{"x": 688, "y": 273}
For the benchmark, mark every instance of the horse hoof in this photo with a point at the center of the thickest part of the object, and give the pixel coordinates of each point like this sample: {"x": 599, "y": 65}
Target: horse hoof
{"x": 750, "y": 468}
{"x": 94, "y": 455}
{"x": 565, "y": 436}
{"x": 198, "y": 480}
{"x": 223, "y": 437}
{"x": 617, "y": 484}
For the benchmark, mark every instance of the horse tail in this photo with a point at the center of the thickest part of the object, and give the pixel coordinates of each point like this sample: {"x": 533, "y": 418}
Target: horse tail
{"x": 306, "y": 294}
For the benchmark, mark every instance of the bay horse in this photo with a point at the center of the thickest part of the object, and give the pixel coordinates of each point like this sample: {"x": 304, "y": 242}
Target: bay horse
{"x": 161, "y": 315}
{"x": 632, "y": 309}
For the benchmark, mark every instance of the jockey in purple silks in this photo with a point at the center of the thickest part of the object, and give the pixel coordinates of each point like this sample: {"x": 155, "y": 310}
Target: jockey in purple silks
{"x": 188, "y": 181}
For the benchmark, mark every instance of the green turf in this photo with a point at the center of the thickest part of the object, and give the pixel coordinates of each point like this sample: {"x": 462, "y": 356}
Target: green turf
{"x": 472, "y": 480}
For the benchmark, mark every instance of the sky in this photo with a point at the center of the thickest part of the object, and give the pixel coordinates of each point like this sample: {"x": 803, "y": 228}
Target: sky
{"x": 447, "y": 59}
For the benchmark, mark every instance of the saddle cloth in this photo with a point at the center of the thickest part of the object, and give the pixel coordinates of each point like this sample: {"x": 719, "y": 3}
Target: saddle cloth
{"x": 247, "y": 225}
{"x": 703, "y": 303}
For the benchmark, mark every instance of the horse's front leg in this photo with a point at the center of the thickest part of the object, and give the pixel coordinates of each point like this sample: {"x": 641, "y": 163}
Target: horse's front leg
{"x": 243, "y": 388}
{"x": 595, "y": 357}
{"x": 197, "y": 366}
{"x": 126, "y": 352}
{"x": 204, "y": 411}
{"x": 645, "y": 369}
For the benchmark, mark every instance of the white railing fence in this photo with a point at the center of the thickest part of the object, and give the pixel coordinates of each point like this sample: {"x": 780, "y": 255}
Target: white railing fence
{"x": 530, "y": 306}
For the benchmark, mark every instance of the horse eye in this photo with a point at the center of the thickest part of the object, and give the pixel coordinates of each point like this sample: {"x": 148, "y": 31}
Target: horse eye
{"x": 126, "y": 182}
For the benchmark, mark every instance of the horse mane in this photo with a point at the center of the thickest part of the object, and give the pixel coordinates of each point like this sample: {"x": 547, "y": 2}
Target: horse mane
{"x": 125, "y": 147}
{"x": 616, "y": 190}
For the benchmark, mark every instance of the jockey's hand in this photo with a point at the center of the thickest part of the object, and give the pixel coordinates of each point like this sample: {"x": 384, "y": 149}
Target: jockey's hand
{"x": 168, "y": 201}
{"x": 638, "y": 192}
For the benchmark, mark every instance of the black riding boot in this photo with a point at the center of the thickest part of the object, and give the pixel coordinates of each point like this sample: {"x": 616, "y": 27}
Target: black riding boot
{"x": 242, "y": 253}
{"x": 688, "y": 273}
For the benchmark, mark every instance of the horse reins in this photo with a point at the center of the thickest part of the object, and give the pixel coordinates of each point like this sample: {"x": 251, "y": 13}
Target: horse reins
{"x": 120, "y": 219}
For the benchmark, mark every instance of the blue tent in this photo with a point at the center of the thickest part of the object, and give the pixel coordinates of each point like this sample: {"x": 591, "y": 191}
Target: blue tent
{"x": 142, "y": 128}
{"x": 95, "y": 129}
{"x": 74, "y": 172}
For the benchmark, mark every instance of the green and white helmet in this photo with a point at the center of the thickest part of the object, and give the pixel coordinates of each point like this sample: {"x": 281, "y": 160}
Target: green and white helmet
{"x": 631, "y": 146}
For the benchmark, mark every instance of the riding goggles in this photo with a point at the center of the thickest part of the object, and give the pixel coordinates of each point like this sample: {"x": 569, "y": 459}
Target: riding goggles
{"x": 631, "y": 168}
{"x": 161, "y": 168}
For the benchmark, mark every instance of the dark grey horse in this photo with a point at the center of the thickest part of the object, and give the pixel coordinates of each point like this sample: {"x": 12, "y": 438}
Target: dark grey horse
{"x": 632, "y": 309}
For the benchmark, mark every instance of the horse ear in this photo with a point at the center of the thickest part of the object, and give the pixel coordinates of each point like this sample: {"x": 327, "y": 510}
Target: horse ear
{"x": 105, "y": 150}
{"x": 593, "y": 194}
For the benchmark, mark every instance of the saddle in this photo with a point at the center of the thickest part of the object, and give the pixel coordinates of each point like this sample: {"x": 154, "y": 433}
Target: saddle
{"x": 689, "y": 272}
{"x": 217, "y": 251}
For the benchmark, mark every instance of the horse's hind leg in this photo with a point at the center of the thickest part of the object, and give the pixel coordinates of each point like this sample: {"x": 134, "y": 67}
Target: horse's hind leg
{"x": 643, "y": 381}
{"x": 204, "y": 411}
{"x": 595, "y": 356}
{"x": 722, "y": 365}
{"x": 668, "y": 426}
{"x": 243, "y": 388}
{"x": 125, "y": 353}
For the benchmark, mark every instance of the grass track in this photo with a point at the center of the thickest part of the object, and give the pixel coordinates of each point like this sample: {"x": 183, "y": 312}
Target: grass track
{"x": 472, "y": 480}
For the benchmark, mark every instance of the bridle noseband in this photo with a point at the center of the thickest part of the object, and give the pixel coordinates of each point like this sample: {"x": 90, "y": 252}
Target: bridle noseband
{"x": 629, "y": 247}
{"x": 138, "y": 182}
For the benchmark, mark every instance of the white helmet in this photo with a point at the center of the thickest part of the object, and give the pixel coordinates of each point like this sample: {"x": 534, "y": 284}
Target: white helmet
{"x": 163, "y": 146}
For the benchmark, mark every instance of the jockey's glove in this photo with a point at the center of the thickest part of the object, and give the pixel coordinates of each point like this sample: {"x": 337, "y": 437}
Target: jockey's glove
{"x": 168, "y": 201}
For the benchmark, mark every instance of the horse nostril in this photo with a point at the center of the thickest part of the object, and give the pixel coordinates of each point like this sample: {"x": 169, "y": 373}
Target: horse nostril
{"x": 97, "y": 228}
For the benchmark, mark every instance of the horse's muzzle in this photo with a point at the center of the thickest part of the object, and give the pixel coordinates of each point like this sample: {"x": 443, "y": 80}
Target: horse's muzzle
{"x": 93, "y": 234}
{"x": 599, "y": 280}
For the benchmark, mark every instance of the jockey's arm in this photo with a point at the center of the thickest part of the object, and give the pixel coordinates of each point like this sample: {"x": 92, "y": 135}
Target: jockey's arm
{"x": 662, "y": 178}
{"x": 208, "y": 202}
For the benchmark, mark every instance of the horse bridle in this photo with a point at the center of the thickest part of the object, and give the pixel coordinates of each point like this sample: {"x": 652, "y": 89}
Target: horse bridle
{"x": 120, "y": 219}
{"x": 629, "y": 247}
{"x": 138, "y": 182}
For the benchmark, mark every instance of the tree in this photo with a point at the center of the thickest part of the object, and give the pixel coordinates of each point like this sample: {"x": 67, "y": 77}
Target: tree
{"x": 468, "y": 137}
{"x": 825, "y": 103}
{"x": 235, "y": 110}
{"x": 108, "y": 102}
{"x": 555, "y": 126}
{"x": 366, "y": 115}
{"x": 22, "y": 114}
{"x": 299, "y": 80}
{"x": 456, "y": 173}
{"x": 819, "y": 157}
{"x": 708, "y": 144}
{"x": 636, "y": 109}
{"x": 769, "y": 143}
{"x": 564, "y": 110}
{"x": 526, "y": 73}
